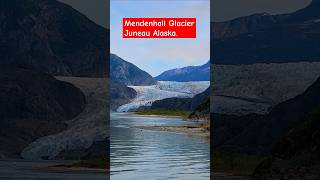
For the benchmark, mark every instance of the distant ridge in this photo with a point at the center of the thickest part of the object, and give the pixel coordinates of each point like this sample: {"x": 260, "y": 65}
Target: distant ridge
{"x": 189, "y": 73}
{"x": 264, "y": 38}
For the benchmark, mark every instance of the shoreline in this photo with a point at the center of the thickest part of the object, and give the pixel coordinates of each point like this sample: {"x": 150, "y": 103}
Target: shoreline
{"x": 41, "y": 169}
{"x": 165, "y": 112}
{"x": 155, "y": 115}
{"x": 193, "y": 130}
{"x": 65, "y": 168}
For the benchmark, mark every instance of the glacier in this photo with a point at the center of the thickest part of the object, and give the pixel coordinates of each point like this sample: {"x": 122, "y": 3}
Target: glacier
{"x": 146, "y": 95}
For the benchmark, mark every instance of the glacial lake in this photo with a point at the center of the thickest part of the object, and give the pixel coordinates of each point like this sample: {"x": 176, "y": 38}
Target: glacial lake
{"x": 156, "y": 155}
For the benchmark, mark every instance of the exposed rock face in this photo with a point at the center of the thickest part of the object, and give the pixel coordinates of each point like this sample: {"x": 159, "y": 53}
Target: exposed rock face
{"x": 53, "y": 38}
{"x": 33, "y": 105}
{"x": 127, "y": 73}
{"x": 269, "y": 39}
{"x": 256, "y": 88}
{"x": 83, "y": 131}
{"x": 244, "y": 25}
{"x": 190, "y": 73}
{"x": 120, "y": 94}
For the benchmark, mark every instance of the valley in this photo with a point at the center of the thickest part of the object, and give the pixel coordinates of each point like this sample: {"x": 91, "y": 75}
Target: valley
{"x": 137, "y": 123}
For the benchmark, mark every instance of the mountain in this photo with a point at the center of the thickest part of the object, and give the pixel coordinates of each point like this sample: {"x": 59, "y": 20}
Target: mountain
{"x": 84, "y": 134}
{"x": 296, "y": 155}
{"x": 188, "y": 104}
{"x": 120, "y": 94}
{"x": 52, "y": 37}
{"x": 256, "y": 88}
{"x": 33, "y": 105}
{"x": 190, "y": 73}
{"x": 258, "y": 133}
{"x": 127, "y": 73}
{"x": 265, "y": 38}
{"x": 244, "y": 25}
{"x": 202, "y": 111}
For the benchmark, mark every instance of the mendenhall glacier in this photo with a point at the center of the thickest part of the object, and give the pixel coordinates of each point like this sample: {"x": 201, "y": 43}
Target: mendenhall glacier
{"x": 146, "y": 95}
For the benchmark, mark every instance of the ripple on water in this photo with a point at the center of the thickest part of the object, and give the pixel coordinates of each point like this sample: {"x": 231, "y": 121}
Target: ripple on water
{"x": 155, "y": 155}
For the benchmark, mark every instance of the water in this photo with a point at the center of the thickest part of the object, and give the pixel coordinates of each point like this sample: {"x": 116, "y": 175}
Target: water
{"x": 156, "y": 155}
{"x": 44, "y": 170}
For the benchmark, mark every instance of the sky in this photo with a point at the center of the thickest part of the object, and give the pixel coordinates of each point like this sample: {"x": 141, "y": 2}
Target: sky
{"x": 158, "y": 55}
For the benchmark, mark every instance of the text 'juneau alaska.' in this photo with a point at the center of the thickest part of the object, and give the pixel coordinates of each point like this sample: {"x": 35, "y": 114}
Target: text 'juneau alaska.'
{"x": 159, "y": 27}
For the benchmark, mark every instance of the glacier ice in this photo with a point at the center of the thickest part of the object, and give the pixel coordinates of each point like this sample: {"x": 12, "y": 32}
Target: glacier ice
{"x": 146, "y": 95}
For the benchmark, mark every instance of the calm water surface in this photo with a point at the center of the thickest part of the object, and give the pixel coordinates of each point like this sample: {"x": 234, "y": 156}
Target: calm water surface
{"x": 155, "y": 155}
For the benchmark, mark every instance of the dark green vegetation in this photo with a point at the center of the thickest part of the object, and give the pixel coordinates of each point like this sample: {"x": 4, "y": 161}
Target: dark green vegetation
{"x": 297, "y": 155}
{"x": 199, "y": 103}
{"x": 202, "y": 111}
{"x": 235, "y": 164}
{"x": 102, "y": 162}
{"x": 127, "y": 73}
{"x": 52, "y": 37}
{"x": 165, "y": 112}
{"x": 190, "y": 73}
{"x": 32, "y": 105}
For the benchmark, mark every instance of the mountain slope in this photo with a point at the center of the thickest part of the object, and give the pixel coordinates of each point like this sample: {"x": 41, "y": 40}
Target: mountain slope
{"x": 127, "y": 73}
{"x": 296, "y": 155}
{"x": 120, "y": 94}
{"x": 285, "y": 38}
{"x": 33, "y": 105}
{"x": 202, "y": 111}
{"x": 262, "y": 132}
{"x": 190, "y": 73}
{"x": 52, "y": 37}
{"x": 188, "y": 104}
{"x": 84, "y": 132}
{"x": 244, "y": 25}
